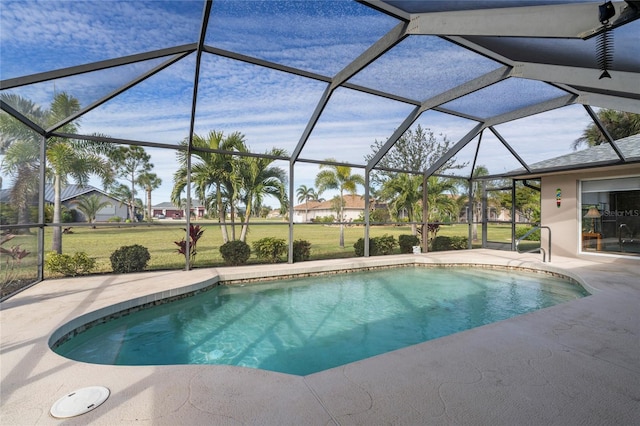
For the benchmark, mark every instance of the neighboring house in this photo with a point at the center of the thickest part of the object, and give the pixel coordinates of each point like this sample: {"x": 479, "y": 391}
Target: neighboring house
{"x": 592, "y": 206}
{"x": 310, "y": 211}
{"x": 497, "y": 214}
{"x": 169, "y": 210}
{"x": 71, "y": 193}
{"x": 274, "y": 213}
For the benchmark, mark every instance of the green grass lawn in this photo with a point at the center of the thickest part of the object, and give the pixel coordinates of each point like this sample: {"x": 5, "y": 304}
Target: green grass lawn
{"x": 159, "y": 239}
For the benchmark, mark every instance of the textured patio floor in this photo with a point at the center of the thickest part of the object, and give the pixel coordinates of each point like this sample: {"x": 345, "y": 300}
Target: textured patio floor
{"x": 572, "y": 364}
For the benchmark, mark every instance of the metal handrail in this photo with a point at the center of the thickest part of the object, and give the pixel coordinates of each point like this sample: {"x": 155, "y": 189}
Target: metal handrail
{"x": 539, "y": 249}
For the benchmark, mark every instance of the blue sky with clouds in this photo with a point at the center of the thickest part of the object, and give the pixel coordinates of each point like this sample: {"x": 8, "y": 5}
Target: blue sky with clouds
{"x": 269, "y": 107}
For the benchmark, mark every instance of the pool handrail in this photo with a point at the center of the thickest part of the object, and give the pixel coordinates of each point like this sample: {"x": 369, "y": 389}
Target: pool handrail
{"x": 538, "y": 249}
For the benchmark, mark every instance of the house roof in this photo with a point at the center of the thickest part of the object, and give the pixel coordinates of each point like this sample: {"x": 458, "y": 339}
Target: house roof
{"x": 71, "y": 191}
{"x": 351, "y": 202}
{"x": 599, "y": 155}
{"x": 68, "y": 192}
{"x": 309, "y": 205}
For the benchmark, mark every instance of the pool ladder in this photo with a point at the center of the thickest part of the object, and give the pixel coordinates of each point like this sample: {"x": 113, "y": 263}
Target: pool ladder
{"x": 537, "y": 249}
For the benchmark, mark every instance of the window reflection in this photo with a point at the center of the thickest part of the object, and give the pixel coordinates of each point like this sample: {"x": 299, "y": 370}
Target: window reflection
{"x": 611, "y": 216}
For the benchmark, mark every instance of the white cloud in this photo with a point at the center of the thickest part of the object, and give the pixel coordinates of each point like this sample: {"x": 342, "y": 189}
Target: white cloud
{"x": 271, "y": 108}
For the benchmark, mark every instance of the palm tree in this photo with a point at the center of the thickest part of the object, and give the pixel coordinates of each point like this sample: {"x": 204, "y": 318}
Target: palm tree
{"x": 21, "y": 149}
{"x": 257, "y": 179}
{"x": 71, "y": 158}
{"x": 90, "y": 205}
{"x": 12, "y": 129}
{"x": 476, "y": 206}
{"x": 618, "y": 124}
{"x": 404, "y": 193}
{"x": 306, "y": 194}
{"x": 211, "y": 172}
{"x": 20, "y": 162}
{"x": 441, "y": 198}
{"x": 123, "y": 193}
{"x": 338, "y": 177}
{"x": 149, "y": 182}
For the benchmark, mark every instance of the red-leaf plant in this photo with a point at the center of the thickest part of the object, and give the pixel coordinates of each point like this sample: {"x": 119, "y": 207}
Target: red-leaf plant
{"x": 195, "y": 232}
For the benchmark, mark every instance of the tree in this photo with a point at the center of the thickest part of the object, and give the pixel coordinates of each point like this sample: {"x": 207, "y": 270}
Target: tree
{"x": 404, "y": 193}
{"x": 306, "y": 194}
{"x": 20, "y": 162}
{"x": 618, "y": 124}
{"x": 338, "y": 177}
{"x": 476, "y": 206}
{"x": 441, "y": 198}
{"x": 149, "y": 182}
{"x": 130, "y": 162}
{"x": 211, "y": 172}
{"x": 71, "y": 158}
{"x": 416, "y": 150}
{"x": 90, "y": 205}
{"x": 257, "y": 178}
{"x": 527, "y": 202}
{"x": 20, "y": 147}
{"x": 122, "y": 193}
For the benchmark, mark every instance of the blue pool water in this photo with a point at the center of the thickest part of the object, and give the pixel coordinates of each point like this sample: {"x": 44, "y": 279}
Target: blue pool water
{"x": 301, "y": 326}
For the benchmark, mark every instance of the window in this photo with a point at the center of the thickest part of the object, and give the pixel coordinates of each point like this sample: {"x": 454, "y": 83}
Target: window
{"x": 610, "y": 216}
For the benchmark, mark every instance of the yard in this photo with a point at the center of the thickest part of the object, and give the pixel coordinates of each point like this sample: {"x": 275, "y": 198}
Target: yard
{"x": 160, "y": 236}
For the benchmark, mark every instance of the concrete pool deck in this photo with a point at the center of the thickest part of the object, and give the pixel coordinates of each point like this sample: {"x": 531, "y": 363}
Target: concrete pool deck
{"x": 572, "y": 364}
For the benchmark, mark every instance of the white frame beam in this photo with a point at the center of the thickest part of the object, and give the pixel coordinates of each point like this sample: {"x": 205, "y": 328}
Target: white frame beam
{"x": 580, "y": 20}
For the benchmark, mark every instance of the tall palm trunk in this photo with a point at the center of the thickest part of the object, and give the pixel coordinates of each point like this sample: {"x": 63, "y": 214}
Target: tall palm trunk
{"x": 341, "y": 219}
{"x": 221, "y": 215}
{"x": 412, "y": 218}
{"x": 57, "y": 213}
{"x": 477, "y": 211}
{"x": 233, "y": 222}
{"x": 149, "y": 215}
{"x": 245, "y": 223}
{"x": 132, "y": 202}
{"x": 21, "y": 197}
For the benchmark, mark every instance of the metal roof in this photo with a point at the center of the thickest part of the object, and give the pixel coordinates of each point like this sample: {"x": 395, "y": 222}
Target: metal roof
{"x": 71, "y": 191}
{"x": 300, "y": 75}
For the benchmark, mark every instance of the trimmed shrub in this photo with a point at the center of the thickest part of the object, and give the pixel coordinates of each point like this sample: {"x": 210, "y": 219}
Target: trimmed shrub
{"x": 521, "y": 230}
{"x": 130, "y": 259}
{"x": 377, "y": 245}
{"x": 235, "y": 252}
{"x": 358, "y": 247}
{"x": 324, "y": 219}
{"x": 379, "y": 215}
{"x": 301, "y": 250}
{"x": 270, "y": 249}
{"x": 442, "y": 243}
{"x": 385, "y": 244}
{"x": 407, "y": 241}
{"x": 70, "y": 265}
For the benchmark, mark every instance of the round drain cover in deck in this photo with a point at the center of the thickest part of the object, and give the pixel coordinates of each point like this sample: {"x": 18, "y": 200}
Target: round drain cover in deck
{"x": 79, "y": 402}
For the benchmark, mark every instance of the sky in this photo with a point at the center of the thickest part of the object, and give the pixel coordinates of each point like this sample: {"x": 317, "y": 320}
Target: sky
{"x": 269, "y": 107}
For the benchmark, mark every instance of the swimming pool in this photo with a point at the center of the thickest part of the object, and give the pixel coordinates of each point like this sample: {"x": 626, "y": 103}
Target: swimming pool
{"x": 304, "y": 325}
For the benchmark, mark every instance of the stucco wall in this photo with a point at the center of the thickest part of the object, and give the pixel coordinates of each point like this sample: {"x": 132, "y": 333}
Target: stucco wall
{"x": 564, "y": 220}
